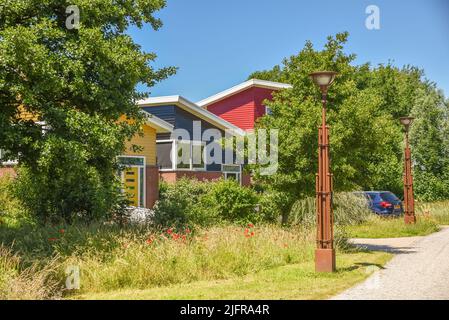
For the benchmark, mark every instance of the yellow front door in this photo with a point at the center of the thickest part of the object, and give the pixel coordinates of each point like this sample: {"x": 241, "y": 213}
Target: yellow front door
{"x": 131, "y": 185}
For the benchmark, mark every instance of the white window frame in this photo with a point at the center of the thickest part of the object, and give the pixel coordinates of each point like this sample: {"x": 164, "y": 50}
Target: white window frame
{"x": 140, "y": 193}
{"x": 198, "y": 143}
{"x": 173, "y": 163}
{"x": 239, "y": 173}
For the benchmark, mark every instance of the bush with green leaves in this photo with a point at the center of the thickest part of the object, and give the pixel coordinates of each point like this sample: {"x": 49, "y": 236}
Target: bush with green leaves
{"x": 191, "y": 202}
{"x": 178, "y": 204}
{"x": 231, "y": 202}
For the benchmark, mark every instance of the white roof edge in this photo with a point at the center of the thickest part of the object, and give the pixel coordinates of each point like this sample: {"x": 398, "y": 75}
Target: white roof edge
{"x": 194, "y": 109}
{"x": 241, "y": 87}
{"x": 160, "y": 125}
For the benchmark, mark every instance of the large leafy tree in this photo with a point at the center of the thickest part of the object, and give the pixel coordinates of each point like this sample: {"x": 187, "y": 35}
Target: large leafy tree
{"x": 365, "y": 104}
{"x": 73, "y": 84}
{"x": 429, "y": 138}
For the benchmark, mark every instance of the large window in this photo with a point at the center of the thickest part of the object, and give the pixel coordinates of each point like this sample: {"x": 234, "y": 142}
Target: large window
{"x": 181, "y": 155}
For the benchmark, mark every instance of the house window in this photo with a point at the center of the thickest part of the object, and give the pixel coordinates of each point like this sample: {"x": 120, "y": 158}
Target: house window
{"x": 198, "y": 155}
{"x": 268, "y": 111}
{"x": 232, "y": 172}
{"x": 164, "y": 154}
{"x": 181, "y": 155}
{"x": 132, "y": 173}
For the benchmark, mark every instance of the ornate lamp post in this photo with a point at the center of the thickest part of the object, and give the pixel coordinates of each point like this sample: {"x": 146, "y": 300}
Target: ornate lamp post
{"x": 409, "y": 199}
{"x": 325, "y": 251}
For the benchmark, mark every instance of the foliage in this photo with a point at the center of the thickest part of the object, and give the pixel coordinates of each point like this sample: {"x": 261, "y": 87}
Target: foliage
{"x": 231, "y": 202}
{"x": 178, "y": 204}
{"x": 428, "y": 138}
{"x": 365, "y": 104}
{"x": 63, "y": 92}
{"x": 191, "y": 202}
{"x": 11, "y": 211}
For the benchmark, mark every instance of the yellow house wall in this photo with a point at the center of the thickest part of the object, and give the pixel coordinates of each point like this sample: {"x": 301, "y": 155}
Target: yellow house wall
{"x": 147, "y": 142}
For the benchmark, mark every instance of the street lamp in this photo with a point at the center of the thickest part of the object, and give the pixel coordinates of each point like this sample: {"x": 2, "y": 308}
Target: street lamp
{"x": 409, "y": 199}
{"x": 325, "y": 251}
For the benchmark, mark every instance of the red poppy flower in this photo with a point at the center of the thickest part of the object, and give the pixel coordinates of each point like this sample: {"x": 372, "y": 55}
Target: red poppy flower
{"x": 52, "y": 239}
{"x": 62, "y": 231}
{"x": 170, "y": 231}
{"x": 149, "y": 241}
{"x": 252, "y": 234}
{"x": 250, "y": 225}
{"x": 246, "y": 231}
{"x": 188, "y": 230}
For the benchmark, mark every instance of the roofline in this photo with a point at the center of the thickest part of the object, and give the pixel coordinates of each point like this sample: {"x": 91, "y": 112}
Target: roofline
{"x": 160, "y": 125}
{"x": 241, "y": 87}
{"x": 193, "y": 108}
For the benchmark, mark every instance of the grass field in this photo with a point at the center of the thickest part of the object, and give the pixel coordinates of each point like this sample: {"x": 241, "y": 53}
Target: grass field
{"x": 295, "y": 281}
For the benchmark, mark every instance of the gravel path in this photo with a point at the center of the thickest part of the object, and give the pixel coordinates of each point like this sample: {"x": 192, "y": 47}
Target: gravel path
{"x": 419, "y": 271}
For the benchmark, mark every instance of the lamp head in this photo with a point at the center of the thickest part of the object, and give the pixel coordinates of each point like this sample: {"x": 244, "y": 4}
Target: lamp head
{"x": 323, "y": 79}
{"x": 407, "y": 122}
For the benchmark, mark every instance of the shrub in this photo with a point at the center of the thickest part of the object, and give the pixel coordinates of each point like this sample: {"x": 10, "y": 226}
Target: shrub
{"x": 231, "y": 202}
{"x": 271, "y": 206}
{"x": 78, "y": 193}
{"x": 178, "y": 204}
{"x": 11, "y": 211}
{"x": 190, "y": 202}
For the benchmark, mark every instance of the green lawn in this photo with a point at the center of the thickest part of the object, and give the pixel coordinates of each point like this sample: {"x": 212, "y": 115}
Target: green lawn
{"x": 296, "y": 281}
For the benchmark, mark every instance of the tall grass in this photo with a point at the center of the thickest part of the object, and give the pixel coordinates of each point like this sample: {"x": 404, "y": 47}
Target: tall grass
{"x": 27, "y": 283}
{"x": 438, "y": 211}
{"x": 349, "y": 209}
{"x": 216, "y": 253}
{"x": 112, "y": 258}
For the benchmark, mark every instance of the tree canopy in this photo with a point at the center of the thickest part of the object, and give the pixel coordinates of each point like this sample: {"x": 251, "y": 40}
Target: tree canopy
{"x": 74, "y": 84}
{"x": 365, "y": 104}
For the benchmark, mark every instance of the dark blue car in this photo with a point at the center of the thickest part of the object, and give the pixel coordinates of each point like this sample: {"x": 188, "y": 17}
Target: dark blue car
{"x": 384, "y": 203}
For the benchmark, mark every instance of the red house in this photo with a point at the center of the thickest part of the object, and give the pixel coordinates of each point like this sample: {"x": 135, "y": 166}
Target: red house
{"x": 242, "y": 105}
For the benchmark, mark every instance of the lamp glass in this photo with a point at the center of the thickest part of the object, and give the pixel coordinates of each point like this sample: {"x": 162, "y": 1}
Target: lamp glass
{"x": 407, "y": 121}
{"x": 323, "y": 78}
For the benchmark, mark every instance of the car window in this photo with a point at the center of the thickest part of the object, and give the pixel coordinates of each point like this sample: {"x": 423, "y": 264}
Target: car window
{"x": 388, "y": 196}
{"x": 371, "y": 196}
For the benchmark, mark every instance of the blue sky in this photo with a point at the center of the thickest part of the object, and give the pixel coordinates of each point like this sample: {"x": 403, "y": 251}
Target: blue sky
{"x": 218, "y": 43}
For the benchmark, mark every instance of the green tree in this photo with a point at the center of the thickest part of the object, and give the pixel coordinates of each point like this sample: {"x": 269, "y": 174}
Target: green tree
{"x": 77, "y": 82}
{"x": 365, "y": 105}
{"x": 429, "y": 137}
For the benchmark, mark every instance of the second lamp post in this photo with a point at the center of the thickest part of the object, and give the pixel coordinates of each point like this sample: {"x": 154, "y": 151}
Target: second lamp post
{"x": 409, "y": 199}
{"x": 325, "y": 251}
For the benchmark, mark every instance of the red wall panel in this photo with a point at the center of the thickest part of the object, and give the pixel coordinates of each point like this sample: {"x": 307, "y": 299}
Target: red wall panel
{"x": 242, "y": 109}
